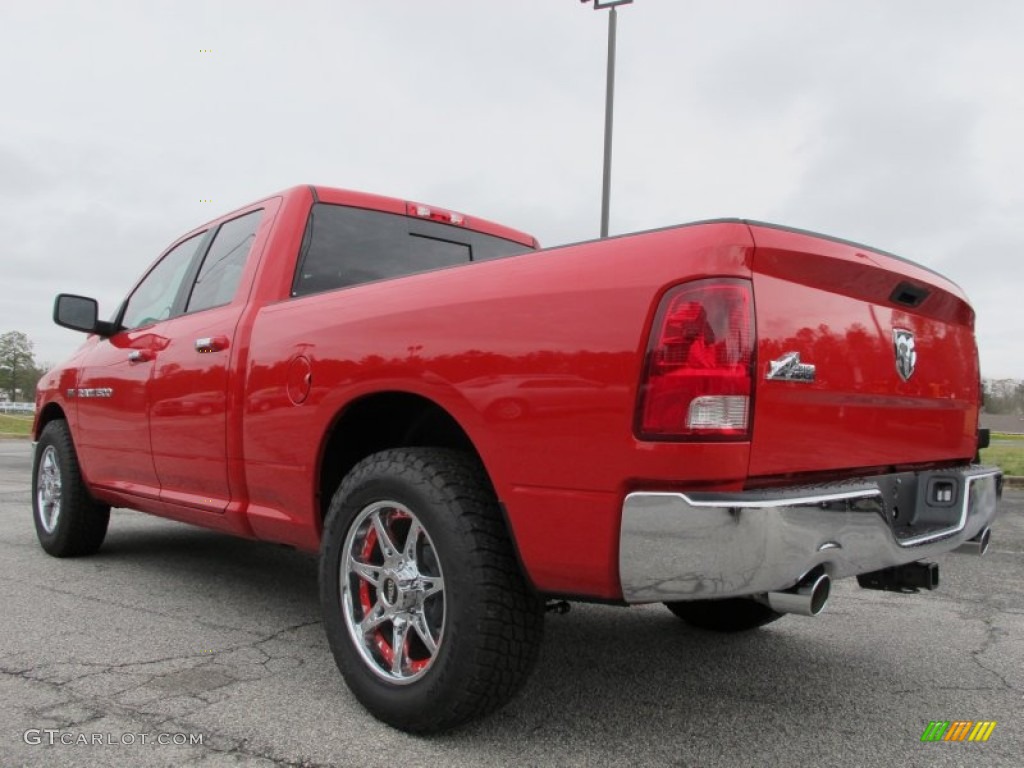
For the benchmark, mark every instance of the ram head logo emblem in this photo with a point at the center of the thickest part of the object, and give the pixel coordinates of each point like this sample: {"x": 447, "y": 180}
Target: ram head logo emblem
{"x": 906, "y": 352}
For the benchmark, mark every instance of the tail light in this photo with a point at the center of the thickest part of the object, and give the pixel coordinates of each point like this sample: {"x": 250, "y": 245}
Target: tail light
{"x": 698, "y": 375}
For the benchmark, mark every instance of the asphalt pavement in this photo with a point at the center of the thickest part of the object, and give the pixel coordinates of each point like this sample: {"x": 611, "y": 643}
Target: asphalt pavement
{"x": 176, "y": 646}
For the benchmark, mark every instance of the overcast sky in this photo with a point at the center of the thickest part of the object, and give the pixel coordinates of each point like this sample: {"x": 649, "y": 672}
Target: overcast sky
{"x": 895, "y": 123}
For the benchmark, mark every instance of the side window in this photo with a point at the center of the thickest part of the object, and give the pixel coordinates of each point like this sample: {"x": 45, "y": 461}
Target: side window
{"x": 222, "y": 268}
{"x": 153, "y": 299}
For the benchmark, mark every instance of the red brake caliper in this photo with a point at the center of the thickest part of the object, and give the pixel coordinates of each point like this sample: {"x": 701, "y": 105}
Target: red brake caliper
{"x": 366, "y": 603}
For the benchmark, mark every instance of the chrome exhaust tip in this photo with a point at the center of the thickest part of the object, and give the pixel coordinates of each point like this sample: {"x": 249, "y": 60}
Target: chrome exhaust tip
{"x": 978, "y": 545}
{"x": 808, "y": 598}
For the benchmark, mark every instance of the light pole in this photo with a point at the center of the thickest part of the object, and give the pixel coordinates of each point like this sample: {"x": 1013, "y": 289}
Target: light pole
{"x": 609, "y": 107}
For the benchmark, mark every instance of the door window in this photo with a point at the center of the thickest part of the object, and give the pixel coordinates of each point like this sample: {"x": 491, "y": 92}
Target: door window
{"x": 222, "y": 268}
{"x": 153, "y": 299}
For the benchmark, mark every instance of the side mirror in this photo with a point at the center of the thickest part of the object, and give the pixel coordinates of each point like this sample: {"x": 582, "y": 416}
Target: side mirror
{"x": 80, "y": 313}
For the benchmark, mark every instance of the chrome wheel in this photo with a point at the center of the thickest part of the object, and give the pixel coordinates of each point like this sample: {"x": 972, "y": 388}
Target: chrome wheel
{"x": 426, "y": 610}
{"x": 49, "y": 489}
{"x": 392, "y": 592}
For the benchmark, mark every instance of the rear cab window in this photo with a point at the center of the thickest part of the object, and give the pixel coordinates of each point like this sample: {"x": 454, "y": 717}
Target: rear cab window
{"x": 345, "y": 246}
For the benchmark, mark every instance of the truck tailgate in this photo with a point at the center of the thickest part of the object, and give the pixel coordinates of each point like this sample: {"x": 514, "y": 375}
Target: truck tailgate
{"x": 895, "y": 370}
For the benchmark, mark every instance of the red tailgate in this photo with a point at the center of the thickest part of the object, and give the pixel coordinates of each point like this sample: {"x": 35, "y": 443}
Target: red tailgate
{"x": 856, "y": 315}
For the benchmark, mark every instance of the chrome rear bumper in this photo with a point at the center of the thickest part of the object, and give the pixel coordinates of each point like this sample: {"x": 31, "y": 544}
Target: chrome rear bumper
{"x": 704, "y": 546}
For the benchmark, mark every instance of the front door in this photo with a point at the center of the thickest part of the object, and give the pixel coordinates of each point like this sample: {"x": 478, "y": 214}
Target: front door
{"x": 112, "y": 392}
{"x": 111, "y": 399}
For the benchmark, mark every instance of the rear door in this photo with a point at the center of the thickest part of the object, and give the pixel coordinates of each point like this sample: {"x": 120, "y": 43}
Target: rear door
{"x": 190, "y": 392}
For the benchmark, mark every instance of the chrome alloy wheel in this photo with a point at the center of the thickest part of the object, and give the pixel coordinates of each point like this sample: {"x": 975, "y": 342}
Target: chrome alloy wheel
{"x": 392, "y": 592}
{"x": 48, "y": 489}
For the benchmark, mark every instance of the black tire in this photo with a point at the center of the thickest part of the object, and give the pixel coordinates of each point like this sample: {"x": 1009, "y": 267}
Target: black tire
{"x": 69, "y": 522}
{"x": 735, "y": 614}
{"x": 490, "y": 626}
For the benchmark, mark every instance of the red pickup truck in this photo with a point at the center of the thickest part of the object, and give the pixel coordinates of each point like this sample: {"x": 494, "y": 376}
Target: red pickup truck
{"x": 721, "y": 417}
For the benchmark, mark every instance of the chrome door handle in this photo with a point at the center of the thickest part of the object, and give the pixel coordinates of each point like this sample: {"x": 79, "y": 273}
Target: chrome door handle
{"x": 211, "y": 344}
{"x": 139, "y": 356}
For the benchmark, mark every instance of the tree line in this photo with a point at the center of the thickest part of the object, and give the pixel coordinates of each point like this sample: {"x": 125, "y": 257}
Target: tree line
{"x": 19, "y": 371}
{"x": 1004, "y": 396}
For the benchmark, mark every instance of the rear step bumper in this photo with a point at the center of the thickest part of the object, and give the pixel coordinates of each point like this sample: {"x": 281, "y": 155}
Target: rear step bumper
{"x": 706, "y": 546}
